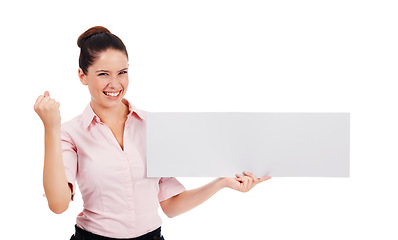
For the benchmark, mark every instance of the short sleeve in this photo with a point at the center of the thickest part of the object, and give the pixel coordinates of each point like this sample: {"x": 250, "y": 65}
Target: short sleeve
{"x": 69, "y": 156}
{"x": 169, "y": 187}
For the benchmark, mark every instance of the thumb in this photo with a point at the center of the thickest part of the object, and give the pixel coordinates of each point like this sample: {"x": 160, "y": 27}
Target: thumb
{"x": 265, "y": 178}
{"x": 46, "y": 94}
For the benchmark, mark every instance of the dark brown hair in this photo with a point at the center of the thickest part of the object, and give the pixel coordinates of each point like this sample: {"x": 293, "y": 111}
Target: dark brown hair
{"x": 95, "y": 40}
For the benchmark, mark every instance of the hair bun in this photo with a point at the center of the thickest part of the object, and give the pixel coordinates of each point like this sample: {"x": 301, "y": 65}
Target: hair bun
{"x": 92, "y": 31}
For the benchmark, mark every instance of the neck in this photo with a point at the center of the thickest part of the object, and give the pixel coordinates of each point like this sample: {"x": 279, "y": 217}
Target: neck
{"x": 111, "y": 115}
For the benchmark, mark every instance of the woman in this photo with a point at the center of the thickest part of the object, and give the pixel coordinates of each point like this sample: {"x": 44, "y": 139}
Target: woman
{"x": 104, "y": 151}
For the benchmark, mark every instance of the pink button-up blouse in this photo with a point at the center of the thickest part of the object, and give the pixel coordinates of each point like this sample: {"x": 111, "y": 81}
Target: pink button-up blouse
{"x": 119, "y": 200}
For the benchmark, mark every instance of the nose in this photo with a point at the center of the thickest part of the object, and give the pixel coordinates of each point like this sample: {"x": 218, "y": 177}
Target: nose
{"x": 113, "y": 82}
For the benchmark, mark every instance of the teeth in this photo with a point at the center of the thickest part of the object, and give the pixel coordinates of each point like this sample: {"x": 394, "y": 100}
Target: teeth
{"x": 112, "y": 94}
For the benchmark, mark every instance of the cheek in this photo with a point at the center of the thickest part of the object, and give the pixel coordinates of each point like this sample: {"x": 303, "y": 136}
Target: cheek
{"x": 125, "y": 82}
{"x": 95, "y": 86}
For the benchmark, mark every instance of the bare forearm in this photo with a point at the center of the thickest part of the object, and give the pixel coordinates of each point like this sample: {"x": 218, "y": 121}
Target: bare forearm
{"x": 54, "y": 179}
{"x": 190, "y": 199}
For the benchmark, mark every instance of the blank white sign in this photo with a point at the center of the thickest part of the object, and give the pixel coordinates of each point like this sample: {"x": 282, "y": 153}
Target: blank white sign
{"x": 223, "y": 144}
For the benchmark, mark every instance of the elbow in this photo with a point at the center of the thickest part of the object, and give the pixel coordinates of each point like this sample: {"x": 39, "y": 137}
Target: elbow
{"x": 175, "y": 206}
{"x": 58, "y": 207}
{"x": 168, "y": 208}
{"x": 171, "y": 215}
{"x": 57, "y": 211}
{"x": 58, "y": 200}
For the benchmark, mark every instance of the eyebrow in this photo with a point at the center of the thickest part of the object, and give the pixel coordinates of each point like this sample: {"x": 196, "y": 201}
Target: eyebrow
{"x": 108, "y": 71}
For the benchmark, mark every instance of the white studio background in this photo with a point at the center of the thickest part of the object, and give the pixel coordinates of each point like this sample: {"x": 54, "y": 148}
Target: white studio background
{"x": 265, "y": 56}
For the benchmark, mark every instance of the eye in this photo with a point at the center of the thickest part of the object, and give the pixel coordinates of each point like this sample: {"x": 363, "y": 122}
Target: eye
{"x": 102, "y": 74}
{"x": 122, "y": 72}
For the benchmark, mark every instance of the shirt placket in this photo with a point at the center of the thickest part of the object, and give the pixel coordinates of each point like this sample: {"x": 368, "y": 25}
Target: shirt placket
{"x": 129, "y": 179}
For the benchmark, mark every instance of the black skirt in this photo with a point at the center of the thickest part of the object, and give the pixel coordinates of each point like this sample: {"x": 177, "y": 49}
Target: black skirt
{"x": 81, "y": 234}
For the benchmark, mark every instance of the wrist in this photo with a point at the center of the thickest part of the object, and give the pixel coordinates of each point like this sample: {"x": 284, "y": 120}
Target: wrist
{"x": 52, "y": 129}
{"x": 221, "y": 182}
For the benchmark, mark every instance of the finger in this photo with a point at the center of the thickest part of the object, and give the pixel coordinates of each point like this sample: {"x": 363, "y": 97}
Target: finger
{"x": 239, "y": 180}
{"x": 41, "y": 102}
{"x": 242, "y": 178}
{"x": 250, "y": 182}
{"x": 44, "y": 100}
{"x": 46, "y": 94}
{"x": 239, "y": 176}
{"x": 247, "y": 184}
{"x": 265, "y": 178}
{"x": 38, "y": 100}
{"x": 251, "y": 175}
{"x": 246, "y": 180}
{"x": 55, "y": 105}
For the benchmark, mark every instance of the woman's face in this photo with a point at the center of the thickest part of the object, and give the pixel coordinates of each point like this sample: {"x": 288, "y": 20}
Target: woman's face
{"x": 107, "y": 78}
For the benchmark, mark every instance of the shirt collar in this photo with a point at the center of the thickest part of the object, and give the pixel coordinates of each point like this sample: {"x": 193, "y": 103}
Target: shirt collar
{"x": 133, "y": 109}
{"x": 89, "y": 115}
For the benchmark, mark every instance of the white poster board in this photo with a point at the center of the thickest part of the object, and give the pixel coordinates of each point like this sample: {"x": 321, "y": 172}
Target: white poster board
{"x": 223, "y": 144}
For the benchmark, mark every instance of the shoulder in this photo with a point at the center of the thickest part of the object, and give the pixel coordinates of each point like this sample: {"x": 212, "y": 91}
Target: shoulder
{"x": 80, "y": 122}
{"x": 72, "y": 127}
{"x": 73, "y": 123}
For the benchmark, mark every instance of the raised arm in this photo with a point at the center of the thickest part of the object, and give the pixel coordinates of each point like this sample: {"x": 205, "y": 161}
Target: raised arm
{"x": 188, "y": 200}
{"x": 55, "y": 185}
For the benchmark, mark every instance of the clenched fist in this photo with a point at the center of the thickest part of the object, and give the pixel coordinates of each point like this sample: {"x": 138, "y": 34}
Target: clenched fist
{"x": 48, "y": 110}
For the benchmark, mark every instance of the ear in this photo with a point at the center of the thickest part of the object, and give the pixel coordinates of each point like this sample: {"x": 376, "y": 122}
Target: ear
{"x": 82, "y": 77}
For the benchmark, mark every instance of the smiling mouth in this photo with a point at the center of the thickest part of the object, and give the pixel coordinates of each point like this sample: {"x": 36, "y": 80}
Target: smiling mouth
{"x": 112, "y": 94}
